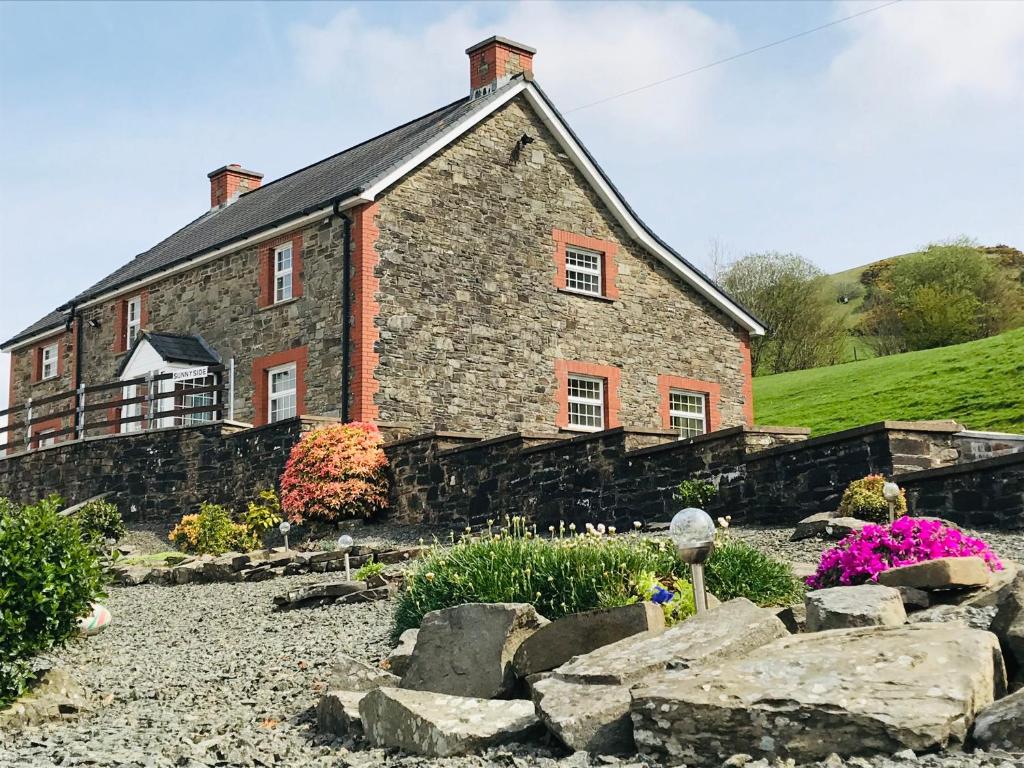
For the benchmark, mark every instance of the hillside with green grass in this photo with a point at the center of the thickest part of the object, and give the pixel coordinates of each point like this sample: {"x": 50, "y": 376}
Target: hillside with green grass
{"x": 980, "y": 384}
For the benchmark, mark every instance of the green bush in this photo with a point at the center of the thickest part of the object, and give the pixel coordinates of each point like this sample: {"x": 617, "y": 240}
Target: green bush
{"x": 369, "y": 569}
{"x": 695, "y": 493}
{"x": 863, "y": 499}
{"x": 99, "y": 520}
{"x": 48, "y": 578}
{"x": 212, "y": 532}
{"x": 263, "y": 514}
{"x": 565, "y": 572}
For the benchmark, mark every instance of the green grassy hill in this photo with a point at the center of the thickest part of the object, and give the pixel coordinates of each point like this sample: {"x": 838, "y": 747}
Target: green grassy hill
{"x": 980, "y": 384}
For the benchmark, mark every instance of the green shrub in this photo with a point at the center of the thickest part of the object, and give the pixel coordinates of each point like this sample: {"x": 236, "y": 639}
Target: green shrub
{"x": 212, "y": 532}
{"x": 369, "y": 569}
{"x": 863, "y": 499}
{"x": 736, "y": 569}
{"x": 695, "y": 493}
{"x": 263, "y": 514}
{"x": 48, "y": 578}
{"x": 565, "y": 572}
{"x": 99, "y": 520}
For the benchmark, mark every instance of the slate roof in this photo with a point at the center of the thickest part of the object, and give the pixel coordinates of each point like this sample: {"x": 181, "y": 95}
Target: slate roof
{"x": 174, "y": 348}
{"x": 316, "y": 186}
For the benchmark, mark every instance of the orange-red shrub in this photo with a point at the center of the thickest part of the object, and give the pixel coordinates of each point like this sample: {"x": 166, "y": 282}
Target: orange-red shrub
{"x": 335, "y": 473}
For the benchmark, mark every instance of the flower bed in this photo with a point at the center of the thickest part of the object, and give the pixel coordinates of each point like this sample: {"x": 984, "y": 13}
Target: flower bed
{"x": 861, "y": 556}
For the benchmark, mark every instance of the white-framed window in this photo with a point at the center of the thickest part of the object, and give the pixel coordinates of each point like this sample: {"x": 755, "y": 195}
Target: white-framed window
{"x": 586, "y": 403}
{"x": 583, "y": 270}
{"x": 132, "y": 320}
{"x": 187, "y": 399}
{"x": 46, "y": 438}
{"x": 48, "y": 363}
{"x": 283, "y": 272}
{"x": 281, "y": 393}
{"x": 687, "y": 412}
{"x": 131, "y": 409}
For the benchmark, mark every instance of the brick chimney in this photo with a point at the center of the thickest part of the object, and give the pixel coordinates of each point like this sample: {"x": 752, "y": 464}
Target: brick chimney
{"x": 493, "y": 62}
{"x": 227, "y": 183}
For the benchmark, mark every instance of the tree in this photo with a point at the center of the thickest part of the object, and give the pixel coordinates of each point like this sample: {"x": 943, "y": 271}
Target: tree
{"x": 790, "y": 296}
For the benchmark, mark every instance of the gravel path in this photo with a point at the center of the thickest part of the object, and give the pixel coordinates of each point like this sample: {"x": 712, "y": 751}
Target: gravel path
{"x": 203, "y": 675}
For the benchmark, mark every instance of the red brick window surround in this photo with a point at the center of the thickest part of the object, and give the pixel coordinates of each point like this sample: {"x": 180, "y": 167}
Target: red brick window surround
{"x": 48, "y": 356}
{"x": 268, "y": 273}
{"x": 604, "y": 249}
{"x": 136, "y": 304}
{"x": 49, "y": 425}
{"x": 261, "y": 368}
{"x": 610, "y": 377}
{"x": 710, "y": 391}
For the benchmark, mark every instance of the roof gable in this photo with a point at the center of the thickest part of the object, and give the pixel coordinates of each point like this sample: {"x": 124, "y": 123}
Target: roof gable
{"x": 171, "y": 348}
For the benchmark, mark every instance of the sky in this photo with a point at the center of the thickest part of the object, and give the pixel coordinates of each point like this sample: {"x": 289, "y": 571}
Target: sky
{"x": 867, "y": 139}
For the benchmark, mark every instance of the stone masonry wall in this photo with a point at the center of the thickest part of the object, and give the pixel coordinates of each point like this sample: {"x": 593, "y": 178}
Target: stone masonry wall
{"x": 471, "y": 322}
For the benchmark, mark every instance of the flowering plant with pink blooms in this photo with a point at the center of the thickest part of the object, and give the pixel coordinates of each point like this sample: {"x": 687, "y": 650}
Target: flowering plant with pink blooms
{"x": 335, "y": 473}
{"x": 861, "y": 556}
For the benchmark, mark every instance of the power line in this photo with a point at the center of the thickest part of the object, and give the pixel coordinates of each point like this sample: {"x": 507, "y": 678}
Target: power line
{"x": 733, "y": 57}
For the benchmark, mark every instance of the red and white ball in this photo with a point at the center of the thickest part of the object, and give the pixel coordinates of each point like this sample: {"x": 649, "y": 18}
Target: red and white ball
{"x": 95, "y": 622}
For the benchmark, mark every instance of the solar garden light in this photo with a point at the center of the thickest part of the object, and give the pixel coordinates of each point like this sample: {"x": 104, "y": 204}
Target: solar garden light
{"x": 891, "y": 492}
{"x": 693, "y": 532}
{"x": 284, "y": 527}
{"x": 345, "y": 543}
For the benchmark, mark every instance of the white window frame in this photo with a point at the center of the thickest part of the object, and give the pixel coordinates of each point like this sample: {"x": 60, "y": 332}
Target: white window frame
{"x": 598, "y": 402}
{"x": 46, "y": 438}
{"x": 281, "y": 274}
{"x": 272, "y": 396}
{"x": 675, "y": 412}
{"x": 194, "y": 401}
{"x": 584, "y": 271}
{"x": 132, "y": 409}
{"x": 132, "y": 320}
{"x": 48, "y": 361}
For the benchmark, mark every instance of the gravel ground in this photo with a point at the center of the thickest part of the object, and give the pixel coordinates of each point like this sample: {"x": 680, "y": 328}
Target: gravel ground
{"x": 203, "y": 675}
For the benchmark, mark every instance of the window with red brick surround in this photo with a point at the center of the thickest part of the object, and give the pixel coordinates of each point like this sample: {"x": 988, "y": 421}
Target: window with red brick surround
{"x": 49, "y": 425}
{"x": 607, "y": 249}
{"x": 266, "y": 267}
{"x": 609, "y": 373}
{"x": 37, "y": 358}
{"x": 299, "y": 356}
{"x": 711, "y": 391}
{"x": 120, "y": 343}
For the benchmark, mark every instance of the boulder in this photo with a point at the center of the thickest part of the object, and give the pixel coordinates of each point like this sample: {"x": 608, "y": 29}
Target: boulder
{"x": 850, "y": 691}
{"x": 999, "y": 583}
{"x": 349, "y": 674}
{"x": 914, "y": 599}
{"x": 1008, "y": 623}
{"x": 318, "y": 592}
{"x": 968, "y": 615}
{"x": 188, "y": 572}
{"x": 260, "y": 572}
{"x": 941, "y": 573}
{"x": 866, "y": 605}
{"x": 587, "y": 718}
{"x": 439, "y": 725}
{"x": 1001, "y": 725}
{"x": 338, "y": 713}
{"x": 554, "y": 644}
{"x": 467, "y": 650}
{"x": 811, "y": 527}
{"x": 841, "y": 527}
{"x": 731, "y": 629}
{"x": 794, "y": 617}
{"x": 133, "y": 575}
{"x": 399, "y": 658}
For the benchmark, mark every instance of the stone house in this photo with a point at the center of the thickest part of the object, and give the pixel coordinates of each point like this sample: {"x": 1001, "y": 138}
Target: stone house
{"x": 473, "y": 269}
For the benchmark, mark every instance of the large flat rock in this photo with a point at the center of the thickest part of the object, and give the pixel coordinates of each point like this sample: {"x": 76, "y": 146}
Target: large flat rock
{"x": 1001, "y": 725}
{"x": 865, "y": 605}
{"x": 438, "y": 725}
{"x": 584, "y": 717}
{"x": 554, "y": 644}
{"x": 467, "y": 650}
{"x": 730, "y": 629}
{"x": 941, "y": 573}
{"x": 849, "y": 691}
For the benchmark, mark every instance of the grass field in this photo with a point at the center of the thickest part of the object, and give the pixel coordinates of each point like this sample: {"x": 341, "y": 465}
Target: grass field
{"x": 980, "y": 384}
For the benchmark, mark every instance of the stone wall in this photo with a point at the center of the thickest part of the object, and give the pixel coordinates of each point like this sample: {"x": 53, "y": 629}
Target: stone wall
{"x": 975, "y": 446}
{"x": 471, "y": 321}
{"x": 982, "y": 494}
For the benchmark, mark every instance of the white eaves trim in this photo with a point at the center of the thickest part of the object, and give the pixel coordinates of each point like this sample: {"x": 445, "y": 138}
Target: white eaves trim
{"x": 596, "y": 180}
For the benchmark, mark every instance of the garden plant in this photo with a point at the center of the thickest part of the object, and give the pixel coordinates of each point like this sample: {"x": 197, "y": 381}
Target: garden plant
{"x": 695, "y": 493}
{"x": 863, "y": 499}
{"x": 565, "y": 570}
{"x": 49, "y": 576}
{"x": 212, "y": 532}
{"x": 100, "y": 520}
{"x": 861, "y": 556}
{"x": 335, "y": 473}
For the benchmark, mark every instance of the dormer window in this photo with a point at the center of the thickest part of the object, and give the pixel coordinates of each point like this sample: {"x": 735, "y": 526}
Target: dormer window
{"x": 48, "y": 362}
{"x": 133, "y": 320}
{"x": 283, "y": 273}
